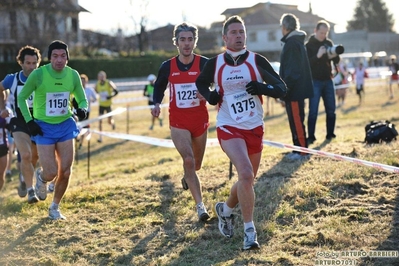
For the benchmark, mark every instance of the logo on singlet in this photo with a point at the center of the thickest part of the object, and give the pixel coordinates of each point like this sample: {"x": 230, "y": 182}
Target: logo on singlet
{"x": 175, "y": 74}
{"x": 235, "y": 71}
{"x": 60, "y": 84}
{"x": 235, "y": 77}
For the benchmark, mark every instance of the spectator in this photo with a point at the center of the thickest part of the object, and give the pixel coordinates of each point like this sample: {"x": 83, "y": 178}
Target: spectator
{"x": 323, "y": 86}
{"x": 295, "y": 71}
{"x": 394, "y": 68}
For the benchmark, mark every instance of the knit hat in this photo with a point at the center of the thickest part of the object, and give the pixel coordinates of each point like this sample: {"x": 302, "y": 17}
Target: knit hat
{"x": 57, "y": 45}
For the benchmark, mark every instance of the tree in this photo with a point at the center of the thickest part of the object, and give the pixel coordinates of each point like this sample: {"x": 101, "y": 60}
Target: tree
{"x": 141, "y": 24}
{"x": 371, "y": 15}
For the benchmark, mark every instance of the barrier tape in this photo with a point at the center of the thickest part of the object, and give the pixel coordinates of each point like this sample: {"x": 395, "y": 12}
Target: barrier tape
{"x": 117, "y": 111}
{"x": 87, "y": 122}
{"x": 212, "y": 142}
{"x": 167, "y": 143}
{"x": 379, "y": 166}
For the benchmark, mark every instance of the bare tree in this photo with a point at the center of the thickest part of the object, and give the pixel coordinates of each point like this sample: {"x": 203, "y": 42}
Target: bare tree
{"x": 140, "y": 23}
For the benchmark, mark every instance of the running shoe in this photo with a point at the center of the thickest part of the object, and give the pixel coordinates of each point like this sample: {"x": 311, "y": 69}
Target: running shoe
{"x": 41, "y": 186}
{"x": 203, "y": 215}
{"x": 8, "y": 176}
{"x": 55, "y": 214}
{"x": 50, "y": 188}
{"x": 226, "y": 224}
{"x": 21, "y": 187}
{"x": 250, "y": 240}
{"x": 32, "y": 198}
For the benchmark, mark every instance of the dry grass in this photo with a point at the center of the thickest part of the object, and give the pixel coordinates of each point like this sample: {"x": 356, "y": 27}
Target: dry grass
{"x": 131, "y": 209}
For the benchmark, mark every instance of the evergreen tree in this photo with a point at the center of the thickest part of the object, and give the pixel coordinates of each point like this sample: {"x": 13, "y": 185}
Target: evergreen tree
{"x": 371, "y": 15}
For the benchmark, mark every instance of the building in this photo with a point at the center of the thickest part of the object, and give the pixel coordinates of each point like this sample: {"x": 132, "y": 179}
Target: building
{"x": 262, "y": 23}
{"x": 37, "y": 23}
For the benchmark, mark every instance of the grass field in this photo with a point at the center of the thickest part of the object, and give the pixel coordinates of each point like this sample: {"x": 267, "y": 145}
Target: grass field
{"x": 125, "y": 204}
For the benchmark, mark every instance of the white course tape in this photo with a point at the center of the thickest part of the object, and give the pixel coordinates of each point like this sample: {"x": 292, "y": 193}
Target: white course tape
{"x": 214, "y": 142}
{"x": 342, "y": 86}
{"x": 167, "y": 143}
{"x": 387, "y": 168}
{"x": 146, "y": 107}
{"x": 117, "y": 111}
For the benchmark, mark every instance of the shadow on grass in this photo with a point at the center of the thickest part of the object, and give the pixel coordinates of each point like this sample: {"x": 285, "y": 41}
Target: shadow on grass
{"x": 270, "y": 184}
{"x": 390, "y": 244}
{"x": 83, "y": 152}
{"x": 273, "y": 117}
{"x": 23, "y": 237}
{"x": 169, "y": 233}
{"x": 350, "y": 109}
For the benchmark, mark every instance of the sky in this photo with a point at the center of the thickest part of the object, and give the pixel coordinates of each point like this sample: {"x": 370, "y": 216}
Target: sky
{"x": 107, "y": 16}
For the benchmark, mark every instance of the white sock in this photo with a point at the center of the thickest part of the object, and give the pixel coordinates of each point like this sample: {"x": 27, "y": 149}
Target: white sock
{"x": 249, "y": 225}
{"x": 200, "y": 205}
{"x": 227, "y": 211}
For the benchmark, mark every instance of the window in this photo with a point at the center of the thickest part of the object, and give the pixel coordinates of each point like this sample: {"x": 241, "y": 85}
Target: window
{"x": 253, "y": 37}
{"x": 33, "y": 23}
{"x": 68, "y": 24}
{"x": 13, "y": 25}
{"x": 75, "y": 25}
{"x": 271, "y": 36}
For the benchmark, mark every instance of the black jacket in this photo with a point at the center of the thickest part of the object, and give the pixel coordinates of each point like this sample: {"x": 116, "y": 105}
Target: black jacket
{"x": 294, "y": 67}
{"x": 321, "y": 67}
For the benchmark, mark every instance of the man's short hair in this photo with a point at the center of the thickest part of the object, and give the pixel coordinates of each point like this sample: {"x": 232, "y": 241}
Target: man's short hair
{"x": 57, "y": 45}
{"x": 84, "y": 77}
{"x": 322, "y": 23}
{"x": 28, "y": 50}
{"x": 231, "y": 20}
{"x": 184, "y": 27}
{"x": 290, "y": 22}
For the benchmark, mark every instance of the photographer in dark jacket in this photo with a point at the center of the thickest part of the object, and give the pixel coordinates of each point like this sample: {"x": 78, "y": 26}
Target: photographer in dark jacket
{"x": 295, "y": 71}
{"x": 323, "y": 86}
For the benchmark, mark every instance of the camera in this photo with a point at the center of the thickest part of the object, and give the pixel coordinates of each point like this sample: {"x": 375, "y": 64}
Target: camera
{"x": 333, "y": 51}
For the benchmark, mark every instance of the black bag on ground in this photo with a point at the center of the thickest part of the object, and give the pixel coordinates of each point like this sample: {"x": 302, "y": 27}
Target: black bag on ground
{"x": 379, "y": 131}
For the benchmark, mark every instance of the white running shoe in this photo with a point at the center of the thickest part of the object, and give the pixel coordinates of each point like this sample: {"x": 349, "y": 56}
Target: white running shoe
{"x": 202, "y": 213}
{"x": 250, "y": 240}
{"x": 226, "y": 224}
{"x": 55, "y": 214}
{"x": 21, "y": 187}
{"x": 41, "y": 186}
{"x": 32, "y": 198}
